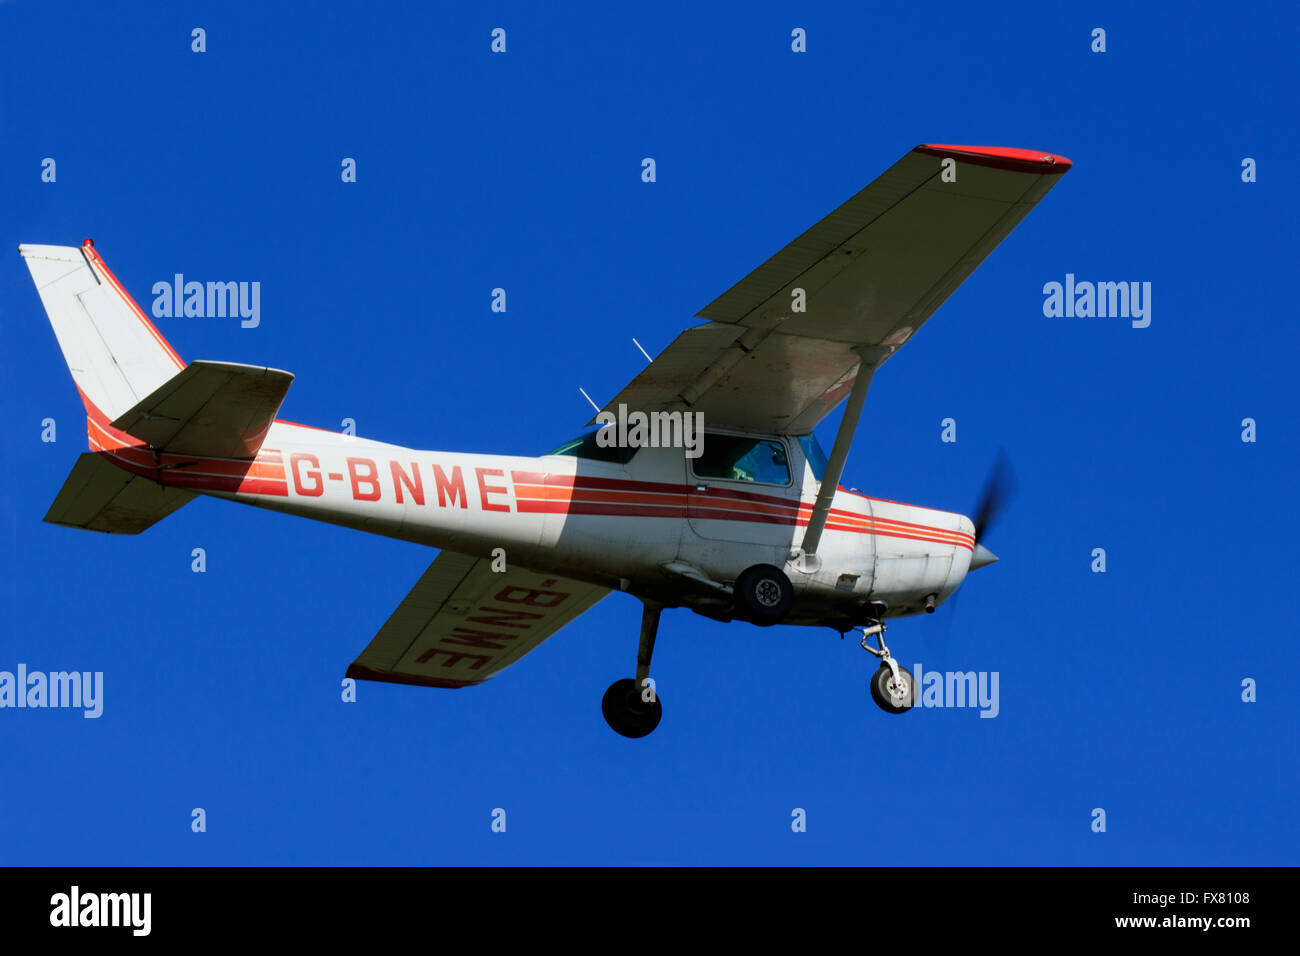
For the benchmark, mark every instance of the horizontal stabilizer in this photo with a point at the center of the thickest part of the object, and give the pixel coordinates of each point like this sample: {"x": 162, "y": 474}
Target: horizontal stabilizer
{"x": 99, "y": 496}
{"x": 209, "y": 410}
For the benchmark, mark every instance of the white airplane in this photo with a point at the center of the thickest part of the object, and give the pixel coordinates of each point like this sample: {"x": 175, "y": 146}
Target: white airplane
{"x": 751, "y": 524}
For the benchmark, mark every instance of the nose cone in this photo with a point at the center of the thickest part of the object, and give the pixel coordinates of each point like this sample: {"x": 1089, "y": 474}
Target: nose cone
{"x": 982, "y": 557}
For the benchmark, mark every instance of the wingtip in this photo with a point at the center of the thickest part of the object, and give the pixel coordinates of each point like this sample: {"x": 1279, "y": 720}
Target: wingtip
{"x": 999, "y": 157}
{"x": 357, "y": 671}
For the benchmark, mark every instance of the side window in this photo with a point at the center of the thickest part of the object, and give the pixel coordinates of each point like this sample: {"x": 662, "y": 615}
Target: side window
{"x": 736, "y": 458}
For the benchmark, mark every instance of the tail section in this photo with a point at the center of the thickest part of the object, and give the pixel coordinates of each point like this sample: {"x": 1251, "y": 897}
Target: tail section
{"x": 157, "y": 427}
{"x": 116, "y": 356}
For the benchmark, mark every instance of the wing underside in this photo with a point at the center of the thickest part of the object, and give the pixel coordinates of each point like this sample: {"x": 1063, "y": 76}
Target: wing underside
{"x": 785, "y": 343}
{"x": 464, "y": 622}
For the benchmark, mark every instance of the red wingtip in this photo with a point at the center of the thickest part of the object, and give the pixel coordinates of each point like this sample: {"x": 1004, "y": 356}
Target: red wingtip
{"x": 361, "y": 672}
{"x": 997, "y": 157}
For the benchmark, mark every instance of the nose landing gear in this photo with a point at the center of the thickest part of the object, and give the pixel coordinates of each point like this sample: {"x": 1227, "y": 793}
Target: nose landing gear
{"x": 892, "y": 686}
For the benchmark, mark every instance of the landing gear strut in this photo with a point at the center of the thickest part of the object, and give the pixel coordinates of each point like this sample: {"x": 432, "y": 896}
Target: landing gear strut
{"x": 892, "y": 686}
{"x": 631, "y": 706}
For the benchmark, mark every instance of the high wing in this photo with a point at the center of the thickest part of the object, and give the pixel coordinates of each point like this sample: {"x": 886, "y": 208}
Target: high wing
{"x": 463, "y": 622}
{"x": 871, "y": 272}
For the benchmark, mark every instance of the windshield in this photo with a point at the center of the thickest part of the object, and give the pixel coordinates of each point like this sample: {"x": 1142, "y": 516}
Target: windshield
{"x": 585, "y": 446}
{"x": 813, "y": 452}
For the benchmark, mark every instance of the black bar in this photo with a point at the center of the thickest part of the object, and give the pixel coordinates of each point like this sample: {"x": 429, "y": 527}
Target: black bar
{"x": 334, "y": 905}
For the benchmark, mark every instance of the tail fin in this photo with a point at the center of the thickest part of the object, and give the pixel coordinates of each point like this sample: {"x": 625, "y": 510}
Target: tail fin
{"x": 116, "y": 356}
{"x": 154, "y": 422}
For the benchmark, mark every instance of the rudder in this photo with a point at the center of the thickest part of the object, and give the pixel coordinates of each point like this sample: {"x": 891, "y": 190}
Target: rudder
{"x": 115, "y": 354}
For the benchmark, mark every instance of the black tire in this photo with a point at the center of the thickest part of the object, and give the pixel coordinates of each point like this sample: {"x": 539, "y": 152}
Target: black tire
{"x": 880, "y": 690}
{"x": 763, "y": 594}
{"x": 625, "y": 711}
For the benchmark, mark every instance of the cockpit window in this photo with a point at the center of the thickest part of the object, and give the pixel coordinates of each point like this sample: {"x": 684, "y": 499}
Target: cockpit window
{"x": 812, "y": 450}
{"x": 585, "y": 446}
{"x": 737, "y": 458}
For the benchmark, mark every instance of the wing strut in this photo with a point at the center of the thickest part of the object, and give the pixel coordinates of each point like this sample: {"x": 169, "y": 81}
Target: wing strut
{"x": 839, "y": 452}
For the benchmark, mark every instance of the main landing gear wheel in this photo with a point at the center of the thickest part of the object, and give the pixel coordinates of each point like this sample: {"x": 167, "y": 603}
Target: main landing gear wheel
{"x": 763, "y": 594}
{"x": 893, "y": 687}
{"x": 627, "y": 712}
{"x": 631, "y": 706}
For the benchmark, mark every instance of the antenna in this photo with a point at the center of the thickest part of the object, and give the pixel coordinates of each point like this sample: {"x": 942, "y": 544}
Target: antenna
{"x": 643, "y": 351}
{"x": 588, "y": 398}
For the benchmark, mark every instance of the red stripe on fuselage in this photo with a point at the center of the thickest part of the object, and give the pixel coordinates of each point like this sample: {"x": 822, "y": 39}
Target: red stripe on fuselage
{"x": 263, "y": 475}
{"x": 541, "y": 493}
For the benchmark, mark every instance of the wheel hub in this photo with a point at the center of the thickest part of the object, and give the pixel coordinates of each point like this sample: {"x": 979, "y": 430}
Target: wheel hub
{"x": 897, "y": 687}
{"x": 768, "y": 593}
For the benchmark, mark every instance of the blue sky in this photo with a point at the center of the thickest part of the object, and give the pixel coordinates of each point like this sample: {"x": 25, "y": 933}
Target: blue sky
{"x": 1118, "y": 690}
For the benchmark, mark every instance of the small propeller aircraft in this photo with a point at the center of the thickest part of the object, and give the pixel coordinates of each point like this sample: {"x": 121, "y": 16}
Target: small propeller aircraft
{"x": 745, "y": 522}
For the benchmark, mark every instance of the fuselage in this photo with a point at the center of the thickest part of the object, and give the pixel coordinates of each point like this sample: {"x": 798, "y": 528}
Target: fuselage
{"x": 649, "y": 525}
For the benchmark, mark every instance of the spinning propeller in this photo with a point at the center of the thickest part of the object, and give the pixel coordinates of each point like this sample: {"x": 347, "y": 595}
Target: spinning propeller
{"x": 999, "y": 491}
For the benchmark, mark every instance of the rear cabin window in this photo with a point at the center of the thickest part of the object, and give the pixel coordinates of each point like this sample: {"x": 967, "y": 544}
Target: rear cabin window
{"x": 736, "y": 458}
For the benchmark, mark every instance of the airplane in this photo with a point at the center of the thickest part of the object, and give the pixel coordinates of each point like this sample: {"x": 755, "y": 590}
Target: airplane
{"x": 751, "y": 524}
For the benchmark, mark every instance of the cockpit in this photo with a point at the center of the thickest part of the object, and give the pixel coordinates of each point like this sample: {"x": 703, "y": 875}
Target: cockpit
{"x": 742, "y": 458}
{"x": 762, "y": 460}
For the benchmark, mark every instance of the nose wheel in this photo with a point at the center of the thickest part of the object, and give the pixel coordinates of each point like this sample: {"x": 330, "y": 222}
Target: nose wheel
{"x": 892, "y": 686}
